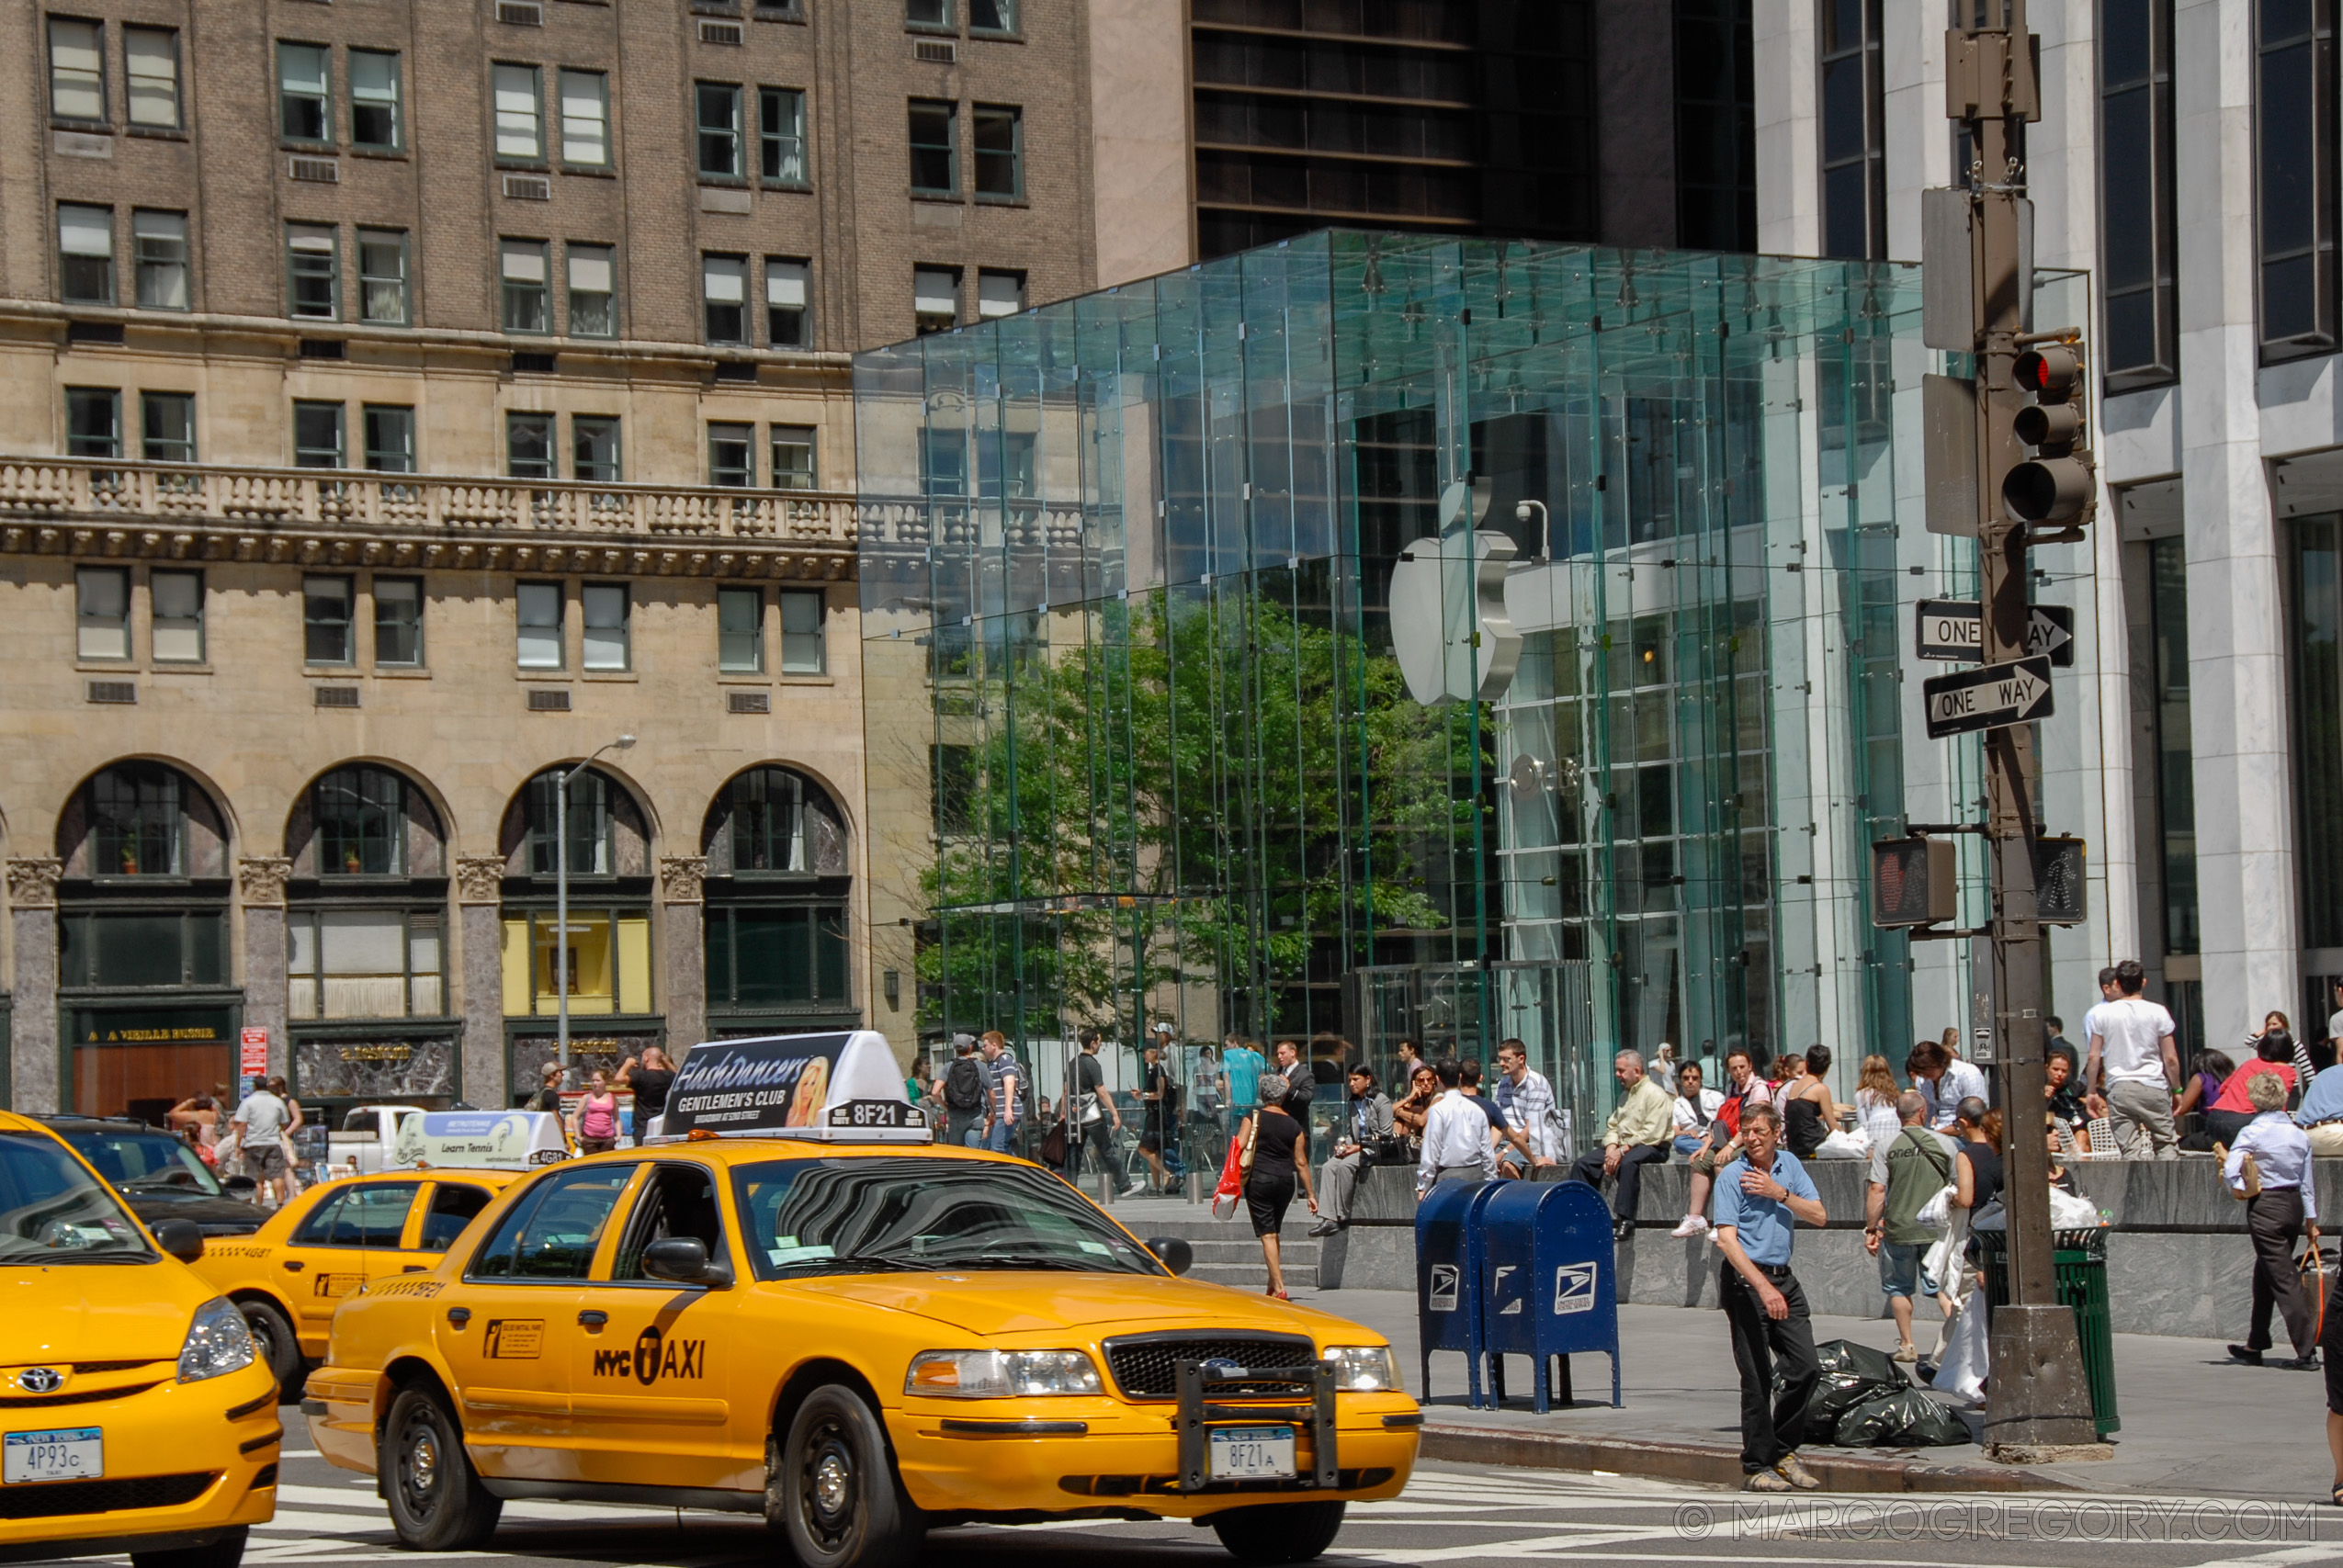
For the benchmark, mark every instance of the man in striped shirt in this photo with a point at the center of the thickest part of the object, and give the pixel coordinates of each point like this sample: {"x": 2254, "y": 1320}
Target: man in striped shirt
{"x": 1527, "y": 1100}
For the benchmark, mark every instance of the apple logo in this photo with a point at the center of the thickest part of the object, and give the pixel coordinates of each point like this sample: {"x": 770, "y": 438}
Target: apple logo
{"x": 1449, "y": 628}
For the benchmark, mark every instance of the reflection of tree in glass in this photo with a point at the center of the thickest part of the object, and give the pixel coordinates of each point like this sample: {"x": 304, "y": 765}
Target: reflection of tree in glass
{"x": 894, "y": 1213}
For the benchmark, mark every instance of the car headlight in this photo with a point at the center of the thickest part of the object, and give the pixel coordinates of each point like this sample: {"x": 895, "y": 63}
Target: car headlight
{"x": 218, "y": 1342}
{"x": 1000, "y": 1374}
{"x": 1362, "y": 1368}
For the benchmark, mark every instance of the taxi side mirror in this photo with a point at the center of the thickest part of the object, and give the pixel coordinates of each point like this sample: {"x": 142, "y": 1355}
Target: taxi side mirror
{"x": 182, "y": 1239}
{"x": 684, "y": 1260}
{"x": 1172, "y": 1253}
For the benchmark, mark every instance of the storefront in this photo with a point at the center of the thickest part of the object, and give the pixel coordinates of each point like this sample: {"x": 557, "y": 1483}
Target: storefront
{"x": 141, "y": 1060}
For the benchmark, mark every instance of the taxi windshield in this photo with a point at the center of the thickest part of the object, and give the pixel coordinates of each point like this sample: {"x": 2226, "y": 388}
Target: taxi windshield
{"x": 139, "y": 1161}
{"x": 53, "y": 1210}
{"x": 913, "y": 1215}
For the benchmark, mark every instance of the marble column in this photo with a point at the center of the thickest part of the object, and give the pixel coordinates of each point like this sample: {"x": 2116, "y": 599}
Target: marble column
{"x": 32, "y": 912}
{"x": 260, "y": 881}
{"x": 480, "y": 934}
{"x": 683, "y": 936}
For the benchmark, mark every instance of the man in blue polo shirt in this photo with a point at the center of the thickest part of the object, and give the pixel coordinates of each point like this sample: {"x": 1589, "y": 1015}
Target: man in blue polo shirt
{"x": 1759, "y": 1199}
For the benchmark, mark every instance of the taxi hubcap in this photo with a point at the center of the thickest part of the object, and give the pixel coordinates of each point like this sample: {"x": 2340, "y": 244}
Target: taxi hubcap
{"x": 828, "y": 1486}
{"x": 829, "y": 1482}
{"x": 422, "y": 1464}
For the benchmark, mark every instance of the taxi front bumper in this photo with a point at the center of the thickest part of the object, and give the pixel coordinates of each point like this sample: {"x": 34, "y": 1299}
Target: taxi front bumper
{"x": 185, "y": 1464}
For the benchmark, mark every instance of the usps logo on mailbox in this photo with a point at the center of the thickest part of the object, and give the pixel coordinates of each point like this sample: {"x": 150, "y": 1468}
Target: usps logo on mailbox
{"x": 1443, "y": 1287}
{"x": 1505, "y": 1273}
{"x": 1574, "y": 1287}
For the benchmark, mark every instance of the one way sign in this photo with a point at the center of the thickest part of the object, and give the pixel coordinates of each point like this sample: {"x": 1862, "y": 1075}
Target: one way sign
{"x": 1988, "y": 697}
{"x": 1953, "y": 629}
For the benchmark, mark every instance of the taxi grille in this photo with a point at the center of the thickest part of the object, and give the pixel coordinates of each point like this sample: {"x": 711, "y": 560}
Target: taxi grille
{"x": 57, "y": 1499}
{"x": 1145, "y": 1365}
{"x": 76, "y": 1396}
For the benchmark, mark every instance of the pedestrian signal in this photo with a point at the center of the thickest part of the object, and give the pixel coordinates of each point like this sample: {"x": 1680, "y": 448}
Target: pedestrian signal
{"x": 1914, "y": 881}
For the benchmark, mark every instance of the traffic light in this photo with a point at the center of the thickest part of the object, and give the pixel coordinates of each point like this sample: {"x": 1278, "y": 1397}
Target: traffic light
{"x": 2056, "y": 484}
{"x": 1914, "y": 881}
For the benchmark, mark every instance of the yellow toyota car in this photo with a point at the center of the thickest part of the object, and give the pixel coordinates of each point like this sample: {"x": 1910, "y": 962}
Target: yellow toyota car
{"x": 860, "y": 1342}
{"x": 134, "y": 1416}
{"x": 289, "y": 1276}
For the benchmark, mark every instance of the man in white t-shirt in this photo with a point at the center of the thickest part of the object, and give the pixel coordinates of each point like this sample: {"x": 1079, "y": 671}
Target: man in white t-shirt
{"x": 2133, "y": 1065}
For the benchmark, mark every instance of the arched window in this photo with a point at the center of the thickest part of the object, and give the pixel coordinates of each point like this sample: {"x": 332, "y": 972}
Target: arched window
{"x": 591, "y": 823}
{"x": 776, "y": 929}
{"x": 138, "y": 826}
{"x": 366, "y": 908}
{"x": 361, "y": 816}
{"x": 774, "y": 819}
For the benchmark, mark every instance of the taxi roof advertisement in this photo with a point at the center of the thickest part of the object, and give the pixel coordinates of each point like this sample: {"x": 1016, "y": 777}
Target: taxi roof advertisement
{"x": 502, "y": 1140}
{"x": 779, "y": 1082}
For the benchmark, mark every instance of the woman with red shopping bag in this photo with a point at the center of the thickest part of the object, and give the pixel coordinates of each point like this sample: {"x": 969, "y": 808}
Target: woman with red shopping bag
{"x": 1268, "y": 1169}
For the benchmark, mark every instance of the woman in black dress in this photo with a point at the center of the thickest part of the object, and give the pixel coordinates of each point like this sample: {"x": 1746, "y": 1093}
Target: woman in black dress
{"x": 1269, "y": 1183}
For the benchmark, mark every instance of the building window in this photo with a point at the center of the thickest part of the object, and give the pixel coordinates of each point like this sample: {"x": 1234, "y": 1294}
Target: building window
{"x": 304, "y": 92}
{"x": 166, "y": 427}
{"x": 360, "y": 816}
{"x": 2138, "y": 239}
{"x": 788, "y": 323}
{"x": 159, "y": 252}
{"x": 998, "y": 133}
{"x": 731, "y": 454}
{"x": 520, "y": 129}
{"x": 1005, "y": 465}
{"x": 2317, "y": 550}
{"x": 313, "y": 272}
{"x": 717, "y": 108}
{"x": 325, "y": 621}
{"x": 724, "y": 293}
{"x": 398, "y": 621}
{"x": 793, "y": 464}
{"x": 934, "y": 166}
{"x": 781, "y": 135}
{"x": 93, "y": 422}
{"x": 992, "y": 15}
{"x": 593, "y": 297}
{"x": 602, "y": 608}
{"x": 608, "y": 960}
{"x": 390, "y": 438}
{"x": 936, "y": 299}
{"x": 138, "y": 827}
{"x": 382, "y": 275}
{"x": 175, "y": 600}
{"x": 102, "y": 612}
{"x": 593, "y": 448}
{"x": 363, "y": 963}
{"x": 1854, "y": 163}
{"x": 528, "y": 445}
{"x": 77, "y": 70}
{"x": 537, "y": 607}
{"x": 2294, "y": 106}
{"x": 928, "y": 13}
{"x": 770, "y": 956}
{"x": 521, "y": 265}
{"x": 999, "y": 294}
{"x": 591, "y": 834}
{"x": 317, "y": 435}
{"x": 375, "y": 120}
{"x": 151, "y": 74}
{"x": 739, "y": 631}
{"x": 802, "y": 646}
{"x": 85, "y": 254}
{"x": 1716, "y": 126}
{"x": 585, "y": 119}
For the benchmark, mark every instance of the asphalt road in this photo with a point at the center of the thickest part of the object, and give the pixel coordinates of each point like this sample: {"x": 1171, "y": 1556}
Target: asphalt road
{"x": 1449, "y": 1514}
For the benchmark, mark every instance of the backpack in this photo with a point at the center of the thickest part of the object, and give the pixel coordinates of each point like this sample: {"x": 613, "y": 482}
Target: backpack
{"x": 964, "y": 1085}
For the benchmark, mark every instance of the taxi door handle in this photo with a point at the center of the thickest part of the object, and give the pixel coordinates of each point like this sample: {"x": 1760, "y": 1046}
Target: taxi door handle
{"x": 591, "y": 1318}
{"x": 294, "y": 1266}
{"x": 414, "y": 1268}
{"x": 460, "y": 1315}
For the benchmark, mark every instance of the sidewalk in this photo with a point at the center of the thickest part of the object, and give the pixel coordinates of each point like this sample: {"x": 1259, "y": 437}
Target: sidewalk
{"x": 2194, "y": 1424}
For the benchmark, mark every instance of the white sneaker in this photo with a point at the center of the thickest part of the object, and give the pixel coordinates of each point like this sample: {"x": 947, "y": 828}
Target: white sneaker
{"x": 1135, "y": 1189}
{"x": 1690, "y": 1227}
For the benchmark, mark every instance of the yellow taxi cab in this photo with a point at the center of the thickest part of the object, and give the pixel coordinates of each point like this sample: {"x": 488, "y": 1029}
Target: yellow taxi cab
{"x": 859, "y": 1340}
{"x": 134, "y": 1414}
{"x": 289, "y": 1276}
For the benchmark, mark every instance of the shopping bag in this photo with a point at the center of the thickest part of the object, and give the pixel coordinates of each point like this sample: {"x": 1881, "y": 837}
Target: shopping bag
{"x": 1962, "y": 1368}
{"x": 1231, "y": 1190}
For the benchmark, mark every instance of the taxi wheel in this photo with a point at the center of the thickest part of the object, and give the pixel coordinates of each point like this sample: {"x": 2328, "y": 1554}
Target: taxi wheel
{"x": 832, "y": 1488}
{"x": 225, "y": 1552}
{"x": 1279, "y": 1532}
{"x": 437, "y": 1503}
{"x": 273, "y": 1337}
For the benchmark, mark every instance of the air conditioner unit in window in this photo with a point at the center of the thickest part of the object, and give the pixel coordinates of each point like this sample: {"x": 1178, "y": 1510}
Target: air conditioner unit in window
{"x": 720, "y": 32}
{"x": 521, "y": 13}
{"x": 934, "y": 52}
{"x": 549, "y": 699}
{"x": 528, "y": 187}
{"x": 337, "y": 696}
{"x": 748, "y": 702}
{"x": 324, "y": 171}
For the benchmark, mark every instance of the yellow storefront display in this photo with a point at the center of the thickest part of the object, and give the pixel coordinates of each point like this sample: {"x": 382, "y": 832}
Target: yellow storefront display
{"x": 609, "y": 964}
{"x": 134, "y": 1414}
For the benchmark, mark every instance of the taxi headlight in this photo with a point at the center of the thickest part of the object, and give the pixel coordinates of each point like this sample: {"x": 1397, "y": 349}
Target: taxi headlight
{"x": 218, "y": 1342}
{"x": 1362, "y": 1368}
{"x": 1000, "y": 1374}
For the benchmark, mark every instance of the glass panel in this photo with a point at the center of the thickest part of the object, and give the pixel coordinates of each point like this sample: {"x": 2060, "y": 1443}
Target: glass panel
{"x": 593, "y": 292}
{"x": 936, "y": 299}
{"x": 999, "y": 294}
{"x": 724, "y": 286}
{"x": 740, "y": 635}
{"x": 361, "y": 822}
{"x": 605, "y": 607}
{"x": 389, "y": 439}
{"x": 999, "y": 161}
{"x": 374, "y": 98}
{"x": 76, "y": 75}
{"x": 398, "y": 621}
{"x": 558, "y": 1238}
{"x": 102, "y": 595}
{"x": 793, "y": 461}
{"x": 788, "y": 322}
{"x": 93, "y": 422}
{"x": 802, "y": 644}
{"x": 325, "y": 617}
{"x": 593, "y": 448}
{"x": 934, "y": 162}
{"x": 521, "y": 264}
{"x": 518, "y": 132}
{"x": 538, "y": 608}
{"x": 178, "y": 617}
{"x": 137, "y": 824}
{"x": 528, "y": 445}
{"x": 85, "y": 254}
{"x": 717, "y": 105}
{"x": 731, "y": 454}
{"x": 992, "y": 15}
{"x": 313, "y": 269}
{"x": 592, "y": 970}
{"x": 160, "y": 242}
{"x": 585, "y": 119}
{"x": 167, "y": 426}
{"x": 304, "y": 83}
{"x": 781, "y": 130}
{"x": 382, "y": 275}
{"x": 768, "y": 822}
{"x": 317, "y": 435}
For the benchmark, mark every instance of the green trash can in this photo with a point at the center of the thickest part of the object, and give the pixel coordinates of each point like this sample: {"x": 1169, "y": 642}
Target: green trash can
{"x": 2078, "y": 1266}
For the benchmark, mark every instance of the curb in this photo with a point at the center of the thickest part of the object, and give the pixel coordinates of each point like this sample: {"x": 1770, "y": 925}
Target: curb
{"x": 1714, "y": 1464}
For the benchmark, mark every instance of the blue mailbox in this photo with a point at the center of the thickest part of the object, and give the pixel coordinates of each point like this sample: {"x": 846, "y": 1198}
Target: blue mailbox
{"x": 1550, "y": 1283}
{"x": 1449, "y": 1239}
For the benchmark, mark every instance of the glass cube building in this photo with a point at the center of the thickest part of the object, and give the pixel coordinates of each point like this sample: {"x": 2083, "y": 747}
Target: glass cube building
{"x": 1142, "y": 748}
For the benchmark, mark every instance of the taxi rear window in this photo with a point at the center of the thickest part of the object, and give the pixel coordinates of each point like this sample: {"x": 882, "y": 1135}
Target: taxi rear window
{"x": 897, "y": 1215}
{"x": 551, "y": 1232}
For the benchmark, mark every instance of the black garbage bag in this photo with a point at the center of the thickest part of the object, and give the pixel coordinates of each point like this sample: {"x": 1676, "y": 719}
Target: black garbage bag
{"x": 1906, "y": 1420}
{"x": 1836, "y": 1393}
{"x": 1846, "y": 1356}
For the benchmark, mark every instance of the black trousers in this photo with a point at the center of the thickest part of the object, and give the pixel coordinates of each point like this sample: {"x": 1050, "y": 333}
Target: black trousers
{"x": 1631, "y": 1174}
{"x": 1771, "y": 1425}
{"x": 2274, "y": 1220}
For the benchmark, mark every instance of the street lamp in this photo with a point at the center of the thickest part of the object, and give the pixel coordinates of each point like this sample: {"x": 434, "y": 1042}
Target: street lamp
{"x": 561, "y": 898}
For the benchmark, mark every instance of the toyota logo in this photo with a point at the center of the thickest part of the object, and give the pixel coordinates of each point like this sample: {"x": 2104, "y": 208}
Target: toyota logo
{"x": 41, "y": 1379}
